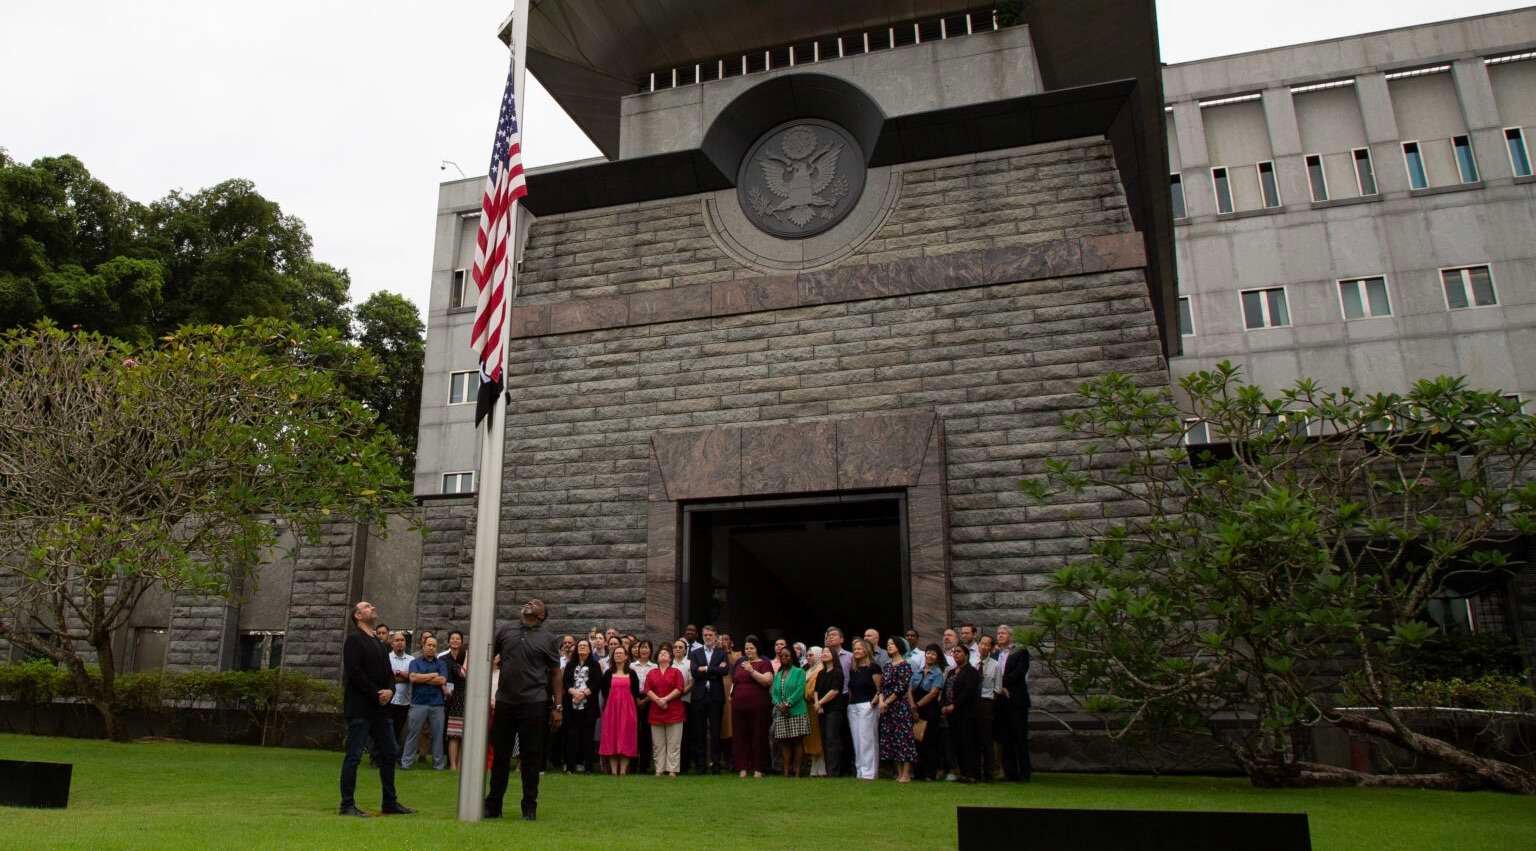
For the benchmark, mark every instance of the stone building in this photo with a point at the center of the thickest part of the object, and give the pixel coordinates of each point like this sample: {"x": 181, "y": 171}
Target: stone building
{"x": 829, "y": 404}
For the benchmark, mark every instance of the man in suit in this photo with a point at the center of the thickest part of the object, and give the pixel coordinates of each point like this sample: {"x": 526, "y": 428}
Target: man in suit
{"x": 368, "y": 683}
{"x": 710, "y": 667}
{"x": 1015, "y": 662}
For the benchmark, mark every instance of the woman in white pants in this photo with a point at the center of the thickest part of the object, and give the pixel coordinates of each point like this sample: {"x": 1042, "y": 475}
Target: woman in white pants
{"x": 863, "y": 722}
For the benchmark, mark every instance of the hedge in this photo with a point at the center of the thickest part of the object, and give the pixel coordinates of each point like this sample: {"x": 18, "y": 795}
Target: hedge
{"x": 260, "y": 692}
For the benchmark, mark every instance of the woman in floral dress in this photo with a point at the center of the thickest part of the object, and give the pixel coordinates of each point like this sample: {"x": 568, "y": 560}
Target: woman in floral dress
{"x": 895, "y": 707}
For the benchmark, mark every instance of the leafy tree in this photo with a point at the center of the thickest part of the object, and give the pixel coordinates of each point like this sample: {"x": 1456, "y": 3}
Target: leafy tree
{"x": 1285, "y": 578}
{"x": 124, "y": 466}
{"x": 390, "y": 329}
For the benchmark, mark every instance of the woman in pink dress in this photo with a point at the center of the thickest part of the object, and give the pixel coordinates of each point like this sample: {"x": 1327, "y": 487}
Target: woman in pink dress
{"x": 617, "y": 744}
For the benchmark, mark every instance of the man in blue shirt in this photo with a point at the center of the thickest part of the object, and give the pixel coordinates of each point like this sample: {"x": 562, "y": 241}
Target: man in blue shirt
{"x": 428, "y": 675}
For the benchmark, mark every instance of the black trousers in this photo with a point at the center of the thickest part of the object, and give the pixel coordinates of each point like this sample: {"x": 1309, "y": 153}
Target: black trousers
{"x": 984, "y": 718}
{"x": 581, "y": 724}
{"x": 528, "y": 723}
{"x": 360, "y": 731}
{"x": 706, "y": 718}
{"x": 834, "y": 738}
{"x": 1016, "y": 762}
{"x": 962, "y": 737}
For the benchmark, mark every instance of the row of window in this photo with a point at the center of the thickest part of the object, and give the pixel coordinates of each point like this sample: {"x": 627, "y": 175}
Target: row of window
{"x": 1359, "y": 298}
{"x": 1365, "y": 175}
{"x": 1197, "y": 432}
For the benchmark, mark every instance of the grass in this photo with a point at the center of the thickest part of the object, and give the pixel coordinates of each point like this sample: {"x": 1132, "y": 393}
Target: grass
{"x": 174, "y": 795}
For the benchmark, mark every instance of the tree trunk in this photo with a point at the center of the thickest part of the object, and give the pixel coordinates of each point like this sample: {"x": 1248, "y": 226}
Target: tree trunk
{"x": 1295, "y": 775}
{"x": 1472, "y": 771}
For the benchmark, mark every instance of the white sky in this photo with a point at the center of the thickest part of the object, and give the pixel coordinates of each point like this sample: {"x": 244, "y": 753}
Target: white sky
{"x": 342, "y": 111}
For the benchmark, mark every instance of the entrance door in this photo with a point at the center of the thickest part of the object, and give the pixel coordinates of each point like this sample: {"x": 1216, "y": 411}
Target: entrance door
{"x": 791, "y": 568}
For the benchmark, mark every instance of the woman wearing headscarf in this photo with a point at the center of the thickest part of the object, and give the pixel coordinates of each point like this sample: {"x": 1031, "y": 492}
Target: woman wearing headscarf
{"x": 813, "y": 738}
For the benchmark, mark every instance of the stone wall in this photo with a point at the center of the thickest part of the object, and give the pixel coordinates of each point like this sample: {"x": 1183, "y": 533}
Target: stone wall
{"x": 323, "y": 593}
{"x": 447, "y": 563}
{"x": 986, "y": 298}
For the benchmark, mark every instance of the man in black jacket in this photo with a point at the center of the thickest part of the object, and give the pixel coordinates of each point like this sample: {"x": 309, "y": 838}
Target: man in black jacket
{"x": 368, "y": 682}
{"x": 1016, "y": 764}
{"x": 710, "y": 667}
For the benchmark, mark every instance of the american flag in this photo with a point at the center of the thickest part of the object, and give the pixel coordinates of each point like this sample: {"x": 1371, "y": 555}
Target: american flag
{"x": 504, "y": 184}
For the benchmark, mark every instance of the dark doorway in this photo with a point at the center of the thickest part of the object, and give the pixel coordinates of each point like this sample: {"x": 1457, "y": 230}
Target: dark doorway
{"x": 790, "y": 568}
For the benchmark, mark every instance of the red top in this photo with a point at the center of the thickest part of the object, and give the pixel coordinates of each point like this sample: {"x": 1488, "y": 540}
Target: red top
{"x": 749, "y": 693}
{"x": 662, "y": 683}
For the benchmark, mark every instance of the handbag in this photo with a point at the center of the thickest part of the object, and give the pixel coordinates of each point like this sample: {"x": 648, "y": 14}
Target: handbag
{"x": 919, "y": 729}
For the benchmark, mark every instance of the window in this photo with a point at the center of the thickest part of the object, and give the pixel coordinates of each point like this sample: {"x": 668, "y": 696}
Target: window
{"x": 1471, "y": 286}
{"x": 459, "y": 290}
{"x": 1176, "y": 189}
{"x": 459, "y": 482}
{"x": 1466, "y": 163}
{"x": 1519, "y": 155}
{"x": 259, "y": 651}
{"x": 1515, "y": 397}
{"x": 1265, "y": 308}
{"x": 461, "y": 388}
{"x": 1223, "y": 190}
{"x": 1364, "y": 298}
{"x": 1316, "y": 177}
{"x": 1365, "y": 176}
{"x": 1197, "y": 432}
{"x": 1418, "y": 178}
{"x": 1186, "y": 318}
{"x": 1268, "y": 185}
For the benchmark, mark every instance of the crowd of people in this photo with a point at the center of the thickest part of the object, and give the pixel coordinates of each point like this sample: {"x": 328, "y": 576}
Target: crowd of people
{"x": 956, "y": 710}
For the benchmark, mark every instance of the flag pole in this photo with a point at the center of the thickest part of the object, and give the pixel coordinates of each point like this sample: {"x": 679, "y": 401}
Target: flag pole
{"x": 482, "y": 600}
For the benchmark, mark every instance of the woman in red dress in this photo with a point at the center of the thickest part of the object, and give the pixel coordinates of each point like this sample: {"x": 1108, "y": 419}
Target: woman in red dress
{"x": 750, "y": 678}
{"x": 617, "y": 744}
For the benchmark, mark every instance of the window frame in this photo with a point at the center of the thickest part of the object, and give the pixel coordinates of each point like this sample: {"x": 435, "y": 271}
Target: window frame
{"x": 1466, "y": 283}
{"x": 1274, "y": 184}
{"x": 1181, "y": 206}
{"x": 1418, "y": 153}
{"x": 1365, "y": 301}
{"x": 1264, "y": 308}
{"x": 443, "y": 482}
{"x": 1525, "y": 151}
{"x": 458, "y": 289}
{"x": 264, "y": 654}
{"x": 1216, "y": 185}
{"x": 1322, "y": 174}
{"x": 1186, "y": 306}
{"x": 1471, "y": 159}
{"x": 1191, "y": 425}
{"x": 470, "y": 391}
{"x": 1354, "y": 155}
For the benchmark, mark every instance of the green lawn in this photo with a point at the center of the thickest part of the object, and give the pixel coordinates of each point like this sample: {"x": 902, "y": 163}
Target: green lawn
{"x": 160, "y": 795}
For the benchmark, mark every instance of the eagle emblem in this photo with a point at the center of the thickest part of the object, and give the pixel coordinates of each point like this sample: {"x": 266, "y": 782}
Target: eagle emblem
{"x": 801, "y": 179}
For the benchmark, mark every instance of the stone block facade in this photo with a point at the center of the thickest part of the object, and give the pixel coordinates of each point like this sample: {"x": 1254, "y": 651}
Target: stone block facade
{"x": 996, "y": 285}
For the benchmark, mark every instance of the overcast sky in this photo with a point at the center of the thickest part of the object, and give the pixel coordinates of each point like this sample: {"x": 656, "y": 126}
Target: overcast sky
{"x": 342, "y": 111}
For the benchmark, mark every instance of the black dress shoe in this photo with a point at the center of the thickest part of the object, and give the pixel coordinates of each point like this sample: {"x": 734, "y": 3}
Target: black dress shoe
{"x": 351, "y": 810}
{"x": 396, "y": 809}
{"x": 530, "y": 815}
{"x": 490, "y": 812}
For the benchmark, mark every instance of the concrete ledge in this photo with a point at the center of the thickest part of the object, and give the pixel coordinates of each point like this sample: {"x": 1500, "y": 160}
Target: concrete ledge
{"x": 959, "y": 270}
{"x": 1442, "y": 190}
{"x": 1346, "y": 202}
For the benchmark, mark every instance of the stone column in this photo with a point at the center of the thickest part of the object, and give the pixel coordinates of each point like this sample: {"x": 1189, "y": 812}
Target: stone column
{"x": 1381, "y": 132}
{"x": 326, "y": 578}
{"x": 202, "y": 633}
{"x": 1285, "y": 145}
{"x": 1475, "y": 91}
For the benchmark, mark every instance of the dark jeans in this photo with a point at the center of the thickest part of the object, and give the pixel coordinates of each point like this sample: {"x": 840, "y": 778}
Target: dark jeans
{"x": 834, "y": 735}
{"x": 1016, "y": 762}
{"x": 382, "y": 734}
{"x": 706, "y": 719}
{"x": 398, "y": 716}
{"x": 984, "y": 716}
{"x": 528, "y": 723}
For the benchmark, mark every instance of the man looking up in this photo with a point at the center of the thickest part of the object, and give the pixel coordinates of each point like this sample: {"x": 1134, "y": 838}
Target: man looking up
{"x": 528, "y": 697}
{"x": 368, "y": 684}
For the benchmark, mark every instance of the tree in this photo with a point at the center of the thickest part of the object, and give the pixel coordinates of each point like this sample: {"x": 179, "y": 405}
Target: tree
{"x": 124, "y": 467}
{"x": 1282, "y": 578}
{"x": 390, "y": 329}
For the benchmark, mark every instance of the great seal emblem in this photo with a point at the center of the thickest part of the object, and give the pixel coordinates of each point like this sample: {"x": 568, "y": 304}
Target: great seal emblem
{"x": 801, "y": 178}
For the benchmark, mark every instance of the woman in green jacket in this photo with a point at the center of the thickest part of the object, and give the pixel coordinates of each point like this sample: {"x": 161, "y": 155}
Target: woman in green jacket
{"x": 790, "y": 721}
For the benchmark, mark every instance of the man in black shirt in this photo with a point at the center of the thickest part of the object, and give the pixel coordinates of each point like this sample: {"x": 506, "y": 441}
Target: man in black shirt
{"x": 528, "y": 699}
{"x": 368, "y": 682}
